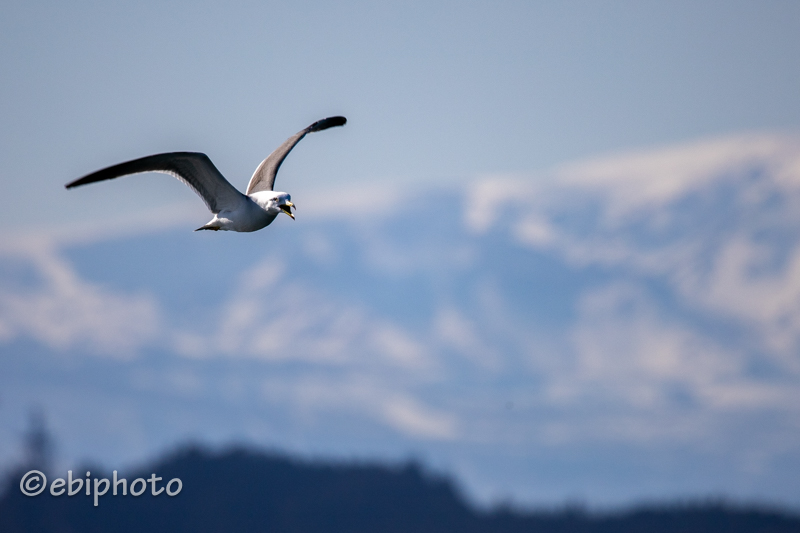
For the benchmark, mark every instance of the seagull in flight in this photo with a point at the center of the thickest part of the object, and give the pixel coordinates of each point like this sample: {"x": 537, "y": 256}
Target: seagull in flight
{"x": 232, "y": 210}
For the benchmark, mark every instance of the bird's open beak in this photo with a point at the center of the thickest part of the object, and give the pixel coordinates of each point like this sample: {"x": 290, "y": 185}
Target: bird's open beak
{"x": 286, "y": 208}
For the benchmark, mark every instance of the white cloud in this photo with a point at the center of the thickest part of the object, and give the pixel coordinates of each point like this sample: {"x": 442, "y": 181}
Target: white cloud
{"x": 455, "y": 331}
{"x": 266, "y": 317}
{"x": 408, "y": 416}
{"x": 63, "y": 311}
{"x": 486, "y": 199}
{"x": 398, "y": 345}
{"x": 381, "y": 398}
{"x": 733, "y": 286}
{"x": 659, "y": 215}
{"x": 360, "y": 202}
{"x": 654, "y": 178}
{"x": 714, "y": 223}
{"x": 271, "y": 318}
{"x": 628, "y": 366}
{"x": 635, "y": 354}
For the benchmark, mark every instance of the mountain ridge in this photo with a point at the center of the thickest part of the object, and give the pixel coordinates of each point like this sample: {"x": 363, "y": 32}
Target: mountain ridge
{"x": 242, "y": 489}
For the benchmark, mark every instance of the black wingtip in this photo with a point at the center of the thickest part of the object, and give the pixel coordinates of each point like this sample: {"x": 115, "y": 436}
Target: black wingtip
{"x": 80, "y": 181}
{"x": 326, "y": 123}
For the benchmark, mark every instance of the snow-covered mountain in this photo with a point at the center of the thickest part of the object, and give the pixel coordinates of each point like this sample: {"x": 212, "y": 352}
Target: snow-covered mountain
{"x": 616, "y": 330}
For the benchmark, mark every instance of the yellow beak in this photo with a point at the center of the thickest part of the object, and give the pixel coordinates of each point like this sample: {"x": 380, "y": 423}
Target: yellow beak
{"x": 286, "y": 208}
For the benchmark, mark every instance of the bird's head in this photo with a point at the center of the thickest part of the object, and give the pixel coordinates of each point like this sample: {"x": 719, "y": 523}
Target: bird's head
{"x": 283, "y": 201}
{"x": 274, "y": 202}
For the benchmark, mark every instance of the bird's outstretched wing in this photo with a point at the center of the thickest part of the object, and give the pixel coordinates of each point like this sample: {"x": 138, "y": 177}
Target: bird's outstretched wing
{"x": 264, "y": 177}
{"x": 194, "y": 169}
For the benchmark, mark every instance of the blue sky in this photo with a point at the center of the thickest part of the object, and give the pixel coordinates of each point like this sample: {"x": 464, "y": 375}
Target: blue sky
{"x": 552, "y": 252}
{"x": 434, "y": 91}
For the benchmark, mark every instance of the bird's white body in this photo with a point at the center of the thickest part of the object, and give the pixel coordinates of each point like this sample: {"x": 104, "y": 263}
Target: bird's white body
{"x": 254, "y": 212}
{"x": 232, "y": 210}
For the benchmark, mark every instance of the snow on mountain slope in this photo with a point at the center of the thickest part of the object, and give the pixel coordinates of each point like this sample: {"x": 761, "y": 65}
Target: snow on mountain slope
{"x": 619, "y": 329}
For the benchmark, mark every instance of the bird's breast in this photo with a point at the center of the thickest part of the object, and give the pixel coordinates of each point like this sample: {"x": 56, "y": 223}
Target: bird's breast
{"x": 249, "y": 217}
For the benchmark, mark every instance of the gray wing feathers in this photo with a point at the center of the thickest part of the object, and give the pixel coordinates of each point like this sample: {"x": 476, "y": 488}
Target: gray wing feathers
{"x": 264, "y": 177}
{"x": 194, "y": 169}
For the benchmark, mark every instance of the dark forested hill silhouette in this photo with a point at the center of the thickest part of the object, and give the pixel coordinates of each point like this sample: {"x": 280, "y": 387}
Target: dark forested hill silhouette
{"x": 241, "y": 490}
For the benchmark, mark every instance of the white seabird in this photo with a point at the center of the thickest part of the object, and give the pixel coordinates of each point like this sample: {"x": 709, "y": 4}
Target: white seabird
{"x": 233, "y": 211}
